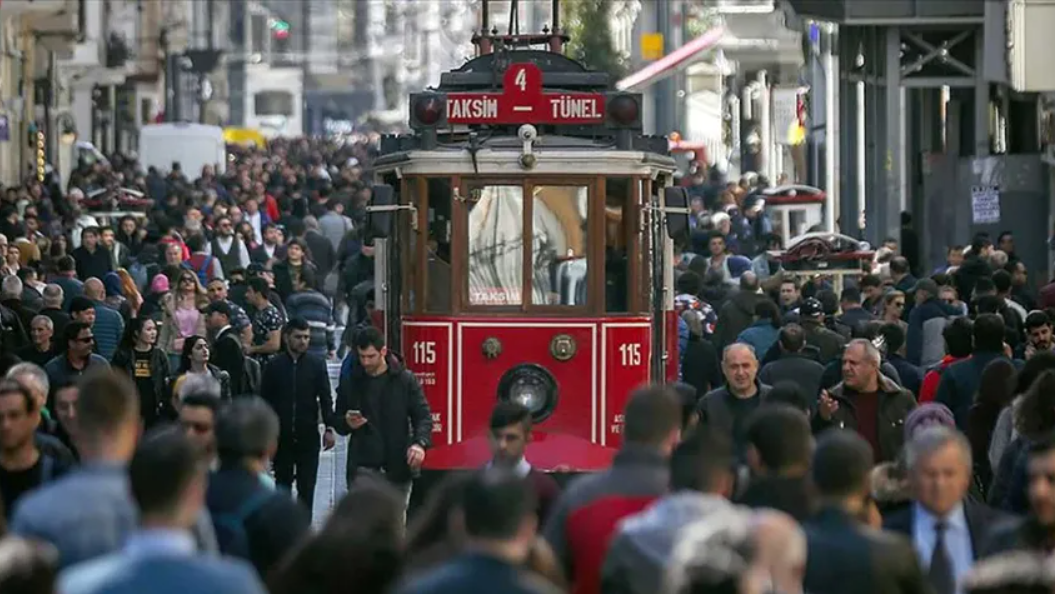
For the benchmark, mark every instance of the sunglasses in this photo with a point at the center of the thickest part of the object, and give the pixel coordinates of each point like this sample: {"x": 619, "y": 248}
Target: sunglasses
{"x": 86, "y": 340}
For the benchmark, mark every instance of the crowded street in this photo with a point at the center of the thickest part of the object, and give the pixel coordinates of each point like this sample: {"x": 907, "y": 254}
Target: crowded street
{"x": 527, "y": 297}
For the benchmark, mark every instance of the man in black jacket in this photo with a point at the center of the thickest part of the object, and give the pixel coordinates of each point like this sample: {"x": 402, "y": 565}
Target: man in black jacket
{"x": 297, "y": 385}
{"x": 227, "y": 348}
{"x": 840, "y": 545}
{"x": 948, "y": 531}
{"x": 381, "y": 405}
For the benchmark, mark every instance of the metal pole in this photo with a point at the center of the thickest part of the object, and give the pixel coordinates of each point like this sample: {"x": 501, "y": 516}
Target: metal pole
{"x": 664, "y": 91}
{"x": 765, "y": 122}
{"x": 831, "y": 125}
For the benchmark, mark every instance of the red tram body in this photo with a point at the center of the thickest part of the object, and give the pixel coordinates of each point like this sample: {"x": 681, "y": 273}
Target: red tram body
{"x": 524, "y": 234}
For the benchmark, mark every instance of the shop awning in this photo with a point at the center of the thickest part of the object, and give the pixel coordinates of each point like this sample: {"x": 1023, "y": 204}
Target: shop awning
{"x": 671, "y": 62}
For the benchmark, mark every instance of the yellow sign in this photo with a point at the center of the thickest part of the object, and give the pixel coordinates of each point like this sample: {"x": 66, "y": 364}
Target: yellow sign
{"x": 652, "y": 46}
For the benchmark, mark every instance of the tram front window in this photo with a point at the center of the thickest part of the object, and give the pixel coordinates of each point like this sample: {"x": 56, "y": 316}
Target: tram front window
{"x": 496, "y": 246}
{"x": 559, "y": 245}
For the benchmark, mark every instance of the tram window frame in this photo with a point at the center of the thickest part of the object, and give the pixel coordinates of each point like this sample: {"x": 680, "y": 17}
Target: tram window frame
{"x": 424, "y": 229}
{"x": 618, "y": 197}
{"x": 594, "y": 250}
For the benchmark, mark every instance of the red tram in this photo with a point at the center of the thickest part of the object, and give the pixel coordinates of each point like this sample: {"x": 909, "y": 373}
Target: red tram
{"x": 525, "y": 252}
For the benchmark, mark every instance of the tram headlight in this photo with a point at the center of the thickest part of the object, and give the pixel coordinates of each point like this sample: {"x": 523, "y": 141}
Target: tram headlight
{"x": 531, "y": 386}
{"x": 624, "y": 110}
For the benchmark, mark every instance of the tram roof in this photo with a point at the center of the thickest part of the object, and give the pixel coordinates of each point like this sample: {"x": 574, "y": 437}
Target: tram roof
{"x": 554, "y": 156}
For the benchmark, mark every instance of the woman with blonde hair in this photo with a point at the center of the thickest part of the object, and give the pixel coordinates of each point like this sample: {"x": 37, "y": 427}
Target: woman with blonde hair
{"x": 182, "y": 315}
{"x": 130, "y": 291}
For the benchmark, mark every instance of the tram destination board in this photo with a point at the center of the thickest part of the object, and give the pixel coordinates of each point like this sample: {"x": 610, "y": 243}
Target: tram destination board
{"x": 523, "y": 102}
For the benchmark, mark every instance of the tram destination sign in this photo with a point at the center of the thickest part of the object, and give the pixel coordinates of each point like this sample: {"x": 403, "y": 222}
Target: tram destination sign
{"x": 522, "y": 101}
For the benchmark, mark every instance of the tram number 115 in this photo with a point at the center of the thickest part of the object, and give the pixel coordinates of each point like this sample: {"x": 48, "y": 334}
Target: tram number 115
{"x": 425, "y": 352}
{"x": 630, "y": 354}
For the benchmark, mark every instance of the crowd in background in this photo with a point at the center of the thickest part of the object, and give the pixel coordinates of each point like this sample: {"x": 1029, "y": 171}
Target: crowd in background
{"x": 895, "y": 436}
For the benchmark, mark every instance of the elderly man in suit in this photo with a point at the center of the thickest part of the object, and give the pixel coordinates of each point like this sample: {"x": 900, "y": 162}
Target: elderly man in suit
{"x": 948, "y": 532}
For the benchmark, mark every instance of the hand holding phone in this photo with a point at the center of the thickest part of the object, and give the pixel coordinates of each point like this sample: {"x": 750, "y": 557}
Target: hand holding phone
{"x": 355, "y": 419}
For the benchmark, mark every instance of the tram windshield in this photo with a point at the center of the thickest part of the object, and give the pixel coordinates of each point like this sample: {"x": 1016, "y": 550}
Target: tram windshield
{"x": 564, "y": 246}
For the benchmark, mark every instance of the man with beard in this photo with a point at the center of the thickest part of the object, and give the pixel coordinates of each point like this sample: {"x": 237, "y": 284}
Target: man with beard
{"x": 510, "y": 436}
{"x": 1038, "y": 335}
{"x": 228, "y": 248}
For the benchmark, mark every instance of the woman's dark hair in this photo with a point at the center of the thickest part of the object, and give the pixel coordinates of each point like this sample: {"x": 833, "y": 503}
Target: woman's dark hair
{"x": 996, "y": 386}
{"x": 363, "y": 538}
{"x": 1035, "y": 416}
{"x": 431, "y": 528}
{"x": 188, "y": 348}
{"x": 1031, "y": 370}
{"x": 132, "y": 330}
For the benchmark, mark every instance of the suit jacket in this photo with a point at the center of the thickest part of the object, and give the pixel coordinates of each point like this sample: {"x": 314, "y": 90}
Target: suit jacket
{"x": 982, "y": 520}
{"x": 843, "y": 551}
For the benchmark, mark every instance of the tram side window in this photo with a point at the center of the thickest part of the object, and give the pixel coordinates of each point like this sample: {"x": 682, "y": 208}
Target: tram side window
{"x": 438, "y": 247}
{"x": 496, "y": 245}
{"x": 616, "y": 255}
{"x": 559, "y": 243}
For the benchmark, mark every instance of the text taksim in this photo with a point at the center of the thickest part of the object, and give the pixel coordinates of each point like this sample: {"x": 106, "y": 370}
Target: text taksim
{"x": 471, "y": 107}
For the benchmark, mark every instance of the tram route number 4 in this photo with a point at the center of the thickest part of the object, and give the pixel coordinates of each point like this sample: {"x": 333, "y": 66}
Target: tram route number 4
{"x": 522, "y": 100}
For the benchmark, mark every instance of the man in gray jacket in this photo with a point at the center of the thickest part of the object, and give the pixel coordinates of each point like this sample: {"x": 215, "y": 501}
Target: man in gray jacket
{"x": 701, "y": 482}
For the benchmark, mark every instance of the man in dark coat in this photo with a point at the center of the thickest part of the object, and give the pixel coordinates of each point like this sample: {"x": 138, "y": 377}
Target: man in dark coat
{"x": 948, "y": 531}
{"x": 381, "y": 405}
{"x": 297, "y": 385}
{"x": 778, "y": 453}
{"x": 738, "y": 312}
{"x": 866, "y": 401}
{"x": 840, "y": 545}
{"x": 959, "y": 383}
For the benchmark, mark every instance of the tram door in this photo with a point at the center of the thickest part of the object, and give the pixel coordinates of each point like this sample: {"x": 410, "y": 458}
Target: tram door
{"x": 382, "y": 216}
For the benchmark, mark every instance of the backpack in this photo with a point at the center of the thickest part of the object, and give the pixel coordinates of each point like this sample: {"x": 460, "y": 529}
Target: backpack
{"x": 230, "y": 527}
{"x": 203, "y": 272}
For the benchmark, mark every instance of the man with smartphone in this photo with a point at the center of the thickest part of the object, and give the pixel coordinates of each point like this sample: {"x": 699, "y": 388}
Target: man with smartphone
{"x": 385, "y": 412}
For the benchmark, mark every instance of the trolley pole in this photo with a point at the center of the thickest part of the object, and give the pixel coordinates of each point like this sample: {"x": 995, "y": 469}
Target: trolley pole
{"x": 664, "y": 93}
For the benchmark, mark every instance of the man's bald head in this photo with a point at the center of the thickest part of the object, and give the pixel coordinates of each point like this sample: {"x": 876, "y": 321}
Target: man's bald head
{"x": 94, "y": 289}
{"x": 780, "y": 549}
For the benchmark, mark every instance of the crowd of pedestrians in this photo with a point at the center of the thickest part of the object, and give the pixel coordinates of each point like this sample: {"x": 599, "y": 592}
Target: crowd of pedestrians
{"x": 165, "y": 387}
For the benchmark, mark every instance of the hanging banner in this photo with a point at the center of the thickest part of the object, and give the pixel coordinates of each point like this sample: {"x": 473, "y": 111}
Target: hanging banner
{"x": 985, "y": 205}
{"x": 785, "y": 114}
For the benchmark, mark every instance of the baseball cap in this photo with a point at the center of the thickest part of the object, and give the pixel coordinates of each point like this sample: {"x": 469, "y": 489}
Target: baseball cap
{"x": 811, "y": 307}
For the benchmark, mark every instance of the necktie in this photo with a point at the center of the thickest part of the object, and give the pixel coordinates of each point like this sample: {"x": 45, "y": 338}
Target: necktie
{"x": 941, "y": 574}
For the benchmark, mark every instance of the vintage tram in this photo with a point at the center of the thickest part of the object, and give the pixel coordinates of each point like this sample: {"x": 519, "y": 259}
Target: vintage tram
{"x": 523, "y": 247}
